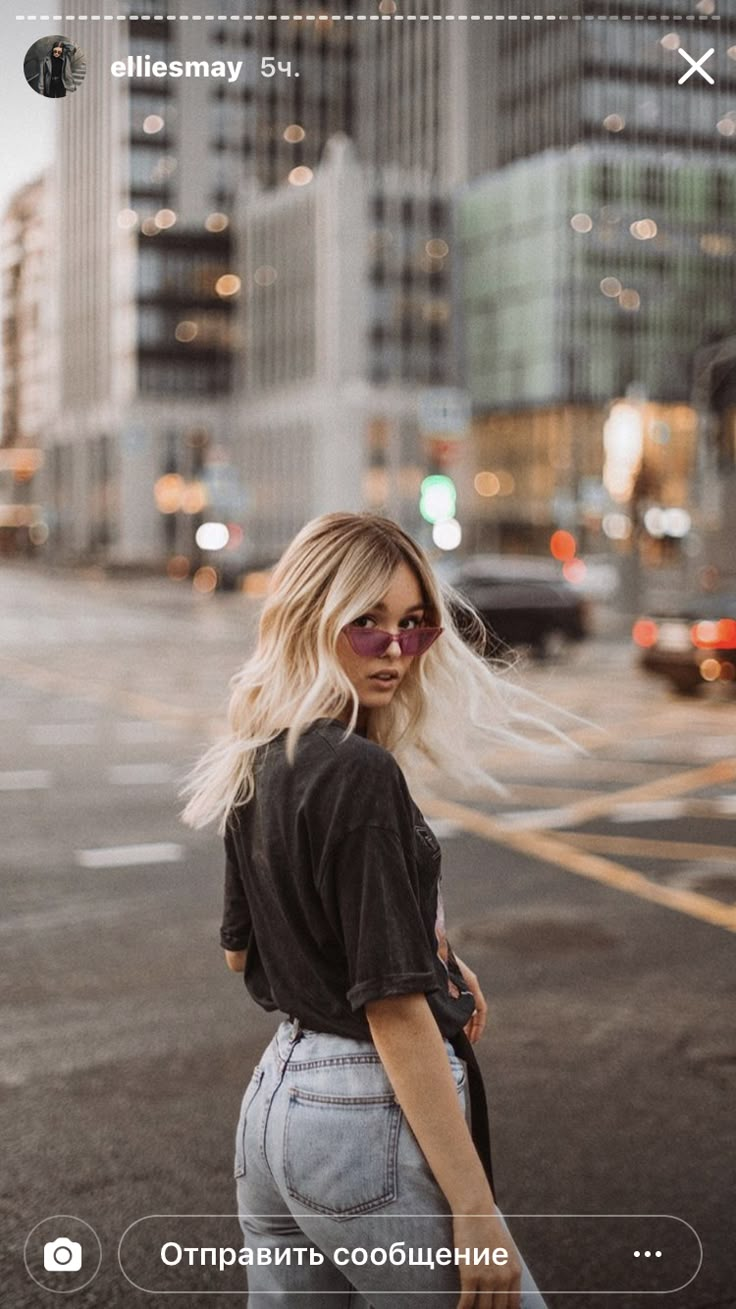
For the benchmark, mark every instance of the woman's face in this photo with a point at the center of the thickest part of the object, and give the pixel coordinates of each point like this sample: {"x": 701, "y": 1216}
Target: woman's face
{"x": 400, "y": 609}
{"x": 58, "y": 51}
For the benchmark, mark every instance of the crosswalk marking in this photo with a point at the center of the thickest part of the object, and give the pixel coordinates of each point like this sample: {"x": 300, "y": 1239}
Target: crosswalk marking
{"x": 143, "y": 732}
{"x": 613, "y": 802}
{"x": 139, "y": 774}
{"x": 64, "y": 733}
{"x": 26, "y": 779}
{"x": 125, "y": 856}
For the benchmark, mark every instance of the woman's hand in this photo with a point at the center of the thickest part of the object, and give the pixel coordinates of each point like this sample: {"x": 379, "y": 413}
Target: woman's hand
{"x": 474, "y": 1028}
{"x": 486, "y": 1232}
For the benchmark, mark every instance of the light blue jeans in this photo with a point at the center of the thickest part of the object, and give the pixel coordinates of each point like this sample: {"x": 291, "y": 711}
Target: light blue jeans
{"x": 325, "y": 1161}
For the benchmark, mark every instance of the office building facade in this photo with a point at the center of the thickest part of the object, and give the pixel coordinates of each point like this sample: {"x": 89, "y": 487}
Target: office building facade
{"x": 599, "y": 257}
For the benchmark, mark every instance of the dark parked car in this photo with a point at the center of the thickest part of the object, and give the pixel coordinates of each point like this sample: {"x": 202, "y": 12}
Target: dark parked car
{"x": 693, "y": 644}
{"x": 522, "y": 601}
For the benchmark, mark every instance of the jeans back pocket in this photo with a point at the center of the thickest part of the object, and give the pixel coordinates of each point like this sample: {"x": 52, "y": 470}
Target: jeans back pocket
{"x": 341, "y": 1152}
{"x": 248, "y": 1098}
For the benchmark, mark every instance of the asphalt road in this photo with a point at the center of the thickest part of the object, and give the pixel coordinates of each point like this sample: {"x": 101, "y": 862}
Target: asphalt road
{"x": 595, "y": 899}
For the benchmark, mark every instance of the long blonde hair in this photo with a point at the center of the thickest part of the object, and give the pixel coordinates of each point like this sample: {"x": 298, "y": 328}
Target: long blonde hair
{"x": 449, "y": 708}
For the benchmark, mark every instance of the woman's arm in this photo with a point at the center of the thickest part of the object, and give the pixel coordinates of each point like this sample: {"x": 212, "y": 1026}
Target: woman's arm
{"x": 235, "y": 960}
{"x": 412, "y": 1051}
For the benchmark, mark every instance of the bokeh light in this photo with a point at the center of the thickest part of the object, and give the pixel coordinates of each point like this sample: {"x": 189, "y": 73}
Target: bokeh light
{"x": 127, "y": 219}
{"x": 265, "y": 275}
{"x": 617, "y": 527}
{"x": 216, "y": 222}
{"x": 227, "y": 285}
{"x": 644, "y": 633}
{"x": 186, "y": 330}
{"x": 301, "y": 175}
{"x": 38, "y": 533}
{"x": 447, "y": 535}
{"x": 562, "y": 545}
{"x": 177, "y": 568}
{"x": 574, "y": 571}
{"x": 629, "y": 299}
{"x": 194, "y": 498}
{"x": 205, "y": 580}
{"x": 644, "y": 229}
{"x": 486, "y": 483}
{"x": 168, "y": 492}
{"x": 212, "y": 536}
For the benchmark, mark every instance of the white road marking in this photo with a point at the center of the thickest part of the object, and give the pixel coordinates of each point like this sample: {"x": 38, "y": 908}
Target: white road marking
{"x": 29, "y": 779}
{"x": 135, "y": 732}
{"x": 139, "y": 774}
{"x": 713, "y": 747}
{"x": 64, "y": 734}
{"x": 647, "y": 811}
{"x": 444, "y": 827}
{"x": 125, "y": 856}
{"x": 530, "y": 820}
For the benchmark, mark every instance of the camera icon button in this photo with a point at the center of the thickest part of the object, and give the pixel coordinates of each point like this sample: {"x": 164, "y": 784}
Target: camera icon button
{"x": 62, "y": 1253}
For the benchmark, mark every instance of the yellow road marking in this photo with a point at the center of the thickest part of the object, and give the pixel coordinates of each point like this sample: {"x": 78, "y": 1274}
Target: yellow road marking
{"x": 694, "y": 779}
{"x": 552, "y": 850}
{"x": 648, "y": 849}
{"x": 557, "y": 795}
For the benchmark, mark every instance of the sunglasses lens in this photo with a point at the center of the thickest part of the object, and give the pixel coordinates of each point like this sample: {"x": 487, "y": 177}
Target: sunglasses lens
{"x": 371, "y": 641}
{"x": 368, "y": 641}
{"x": 419, "y": 639}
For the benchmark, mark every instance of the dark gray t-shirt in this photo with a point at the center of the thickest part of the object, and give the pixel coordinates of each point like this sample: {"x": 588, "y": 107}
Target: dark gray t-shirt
{"x": 332, "y": 885}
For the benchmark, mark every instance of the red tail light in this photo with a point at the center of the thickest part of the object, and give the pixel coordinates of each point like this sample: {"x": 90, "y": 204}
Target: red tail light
{"x": 645, "y": 632}
{"x": 708, "y": 635}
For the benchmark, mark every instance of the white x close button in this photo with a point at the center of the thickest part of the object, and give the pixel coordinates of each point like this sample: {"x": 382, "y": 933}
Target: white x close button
{"x": 697, "y": 66}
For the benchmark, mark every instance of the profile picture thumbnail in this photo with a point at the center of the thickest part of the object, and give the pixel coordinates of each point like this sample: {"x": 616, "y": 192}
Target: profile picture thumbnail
{"x": 54, "y": 66}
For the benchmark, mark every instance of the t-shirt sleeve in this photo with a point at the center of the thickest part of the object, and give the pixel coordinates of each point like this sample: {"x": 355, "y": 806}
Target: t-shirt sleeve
{"x": 236, "y": 920}
{"x": 371, "y": 894}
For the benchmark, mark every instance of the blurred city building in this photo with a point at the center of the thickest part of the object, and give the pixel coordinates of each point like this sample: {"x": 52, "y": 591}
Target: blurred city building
{"x": 347, "y": 304}
{"x": 598, "y": 260}
{"x": 29, "y": 266}
{"x": 274, "y": 289}
{"x": 181, "y": 391}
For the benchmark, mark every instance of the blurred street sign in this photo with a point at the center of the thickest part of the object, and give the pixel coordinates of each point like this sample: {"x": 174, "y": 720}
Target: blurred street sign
{"x": 444, "y": 411}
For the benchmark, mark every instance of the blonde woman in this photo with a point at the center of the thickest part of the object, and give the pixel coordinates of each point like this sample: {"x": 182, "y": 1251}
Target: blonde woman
{"x": 352, "y": 1139}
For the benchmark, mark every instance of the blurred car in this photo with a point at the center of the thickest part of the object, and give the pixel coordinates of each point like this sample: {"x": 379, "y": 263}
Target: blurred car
{"x": 693, "y": 644}
{"x": 523, "y": 601}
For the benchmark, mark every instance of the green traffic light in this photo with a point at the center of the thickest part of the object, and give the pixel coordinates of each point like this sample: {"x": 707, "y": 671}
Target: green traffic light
{"x": 438, "y": 498}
